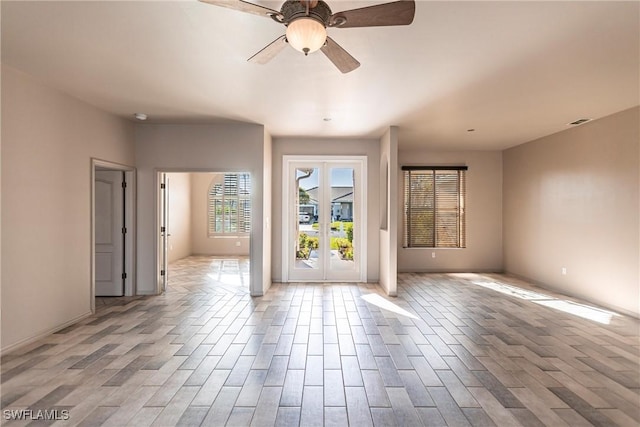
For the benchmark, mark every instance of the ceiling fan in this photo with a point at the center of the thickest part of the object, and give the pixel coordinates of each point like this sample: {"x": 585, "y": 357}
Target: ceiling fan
{"x": 307, "y": 22}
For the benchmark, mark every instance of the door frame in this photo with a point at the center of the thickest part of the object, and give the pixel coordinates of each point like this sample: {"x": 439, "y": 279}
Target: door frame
{"x": 163, "y": 236}
{"x": 287, "y": 161}
{"x": 129, "y": 221}
{"x": 157, "y": 223}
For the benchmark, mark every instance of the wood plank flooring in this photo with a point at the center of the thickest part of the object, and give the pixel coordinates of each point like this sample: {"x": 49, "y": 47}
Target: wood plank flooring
{"x": 450, "y": 350}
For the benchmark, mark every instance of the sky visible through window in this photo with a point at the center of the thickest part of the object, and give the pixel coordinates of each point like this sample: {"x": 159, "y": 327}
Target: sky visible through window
{"x": 340, "y": 177}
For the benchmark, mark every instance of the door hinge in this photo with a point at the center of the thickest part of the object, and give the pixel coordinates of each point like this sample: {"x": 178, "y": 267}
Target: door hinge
{"x": 162, "y": 186}
{"x": 124, "y": 230}
{"x": 124, "y": 184}
{"x": 124, "y": 276}
{"x": 162, "y": 272}
{"x": 163, "y": 229}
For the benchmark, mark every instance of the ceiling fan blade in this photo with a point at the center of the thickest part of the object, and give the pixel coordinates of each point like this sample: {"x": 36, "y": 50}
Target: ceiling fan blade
{"x": 270, "y": 51}
{"x": 340, "y": 57}
{"x": 381, "y": 15}
{"x": 244, "y": 6}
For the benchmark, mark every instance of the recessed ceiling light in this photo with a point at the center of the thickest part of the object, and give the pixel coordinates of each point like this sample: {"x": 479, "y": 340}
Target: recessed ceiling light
{"x": 578, "y": 122}
{"x": 140, "y": 116}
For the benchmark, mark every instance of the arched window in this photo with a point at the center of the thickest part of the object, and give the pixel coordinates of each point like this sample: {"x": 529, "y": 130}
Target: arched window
{"x": 229, "y": 204}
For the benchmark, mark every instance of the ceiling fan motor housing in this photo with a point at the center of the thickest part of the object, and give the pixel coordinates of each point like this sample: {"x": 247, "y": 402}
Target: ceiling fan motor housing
{"x": 294, "y": 9}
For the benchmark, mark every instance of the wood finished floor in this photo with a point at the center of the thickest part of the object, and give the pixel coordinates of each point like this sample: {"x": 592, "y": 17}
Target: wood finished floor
{"x": 451, "y": 350}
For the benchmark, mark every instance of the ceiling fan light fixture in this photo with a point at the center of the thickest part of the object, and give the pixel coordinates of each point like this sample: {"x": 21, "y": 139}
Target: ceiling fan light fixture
{"x": 306, "y": 35}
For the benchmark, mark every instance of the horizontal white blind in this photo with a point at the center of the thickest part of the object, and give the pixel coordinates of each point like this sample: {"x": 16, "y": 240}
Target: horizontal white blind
{"x": 434, "y": 207}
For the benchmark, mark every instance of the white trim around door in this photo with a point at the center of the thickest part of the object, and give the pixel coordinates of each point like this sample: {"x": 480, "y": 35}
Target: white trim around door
{"x": 319, "y": 224}
{"x": 128, "y": 226}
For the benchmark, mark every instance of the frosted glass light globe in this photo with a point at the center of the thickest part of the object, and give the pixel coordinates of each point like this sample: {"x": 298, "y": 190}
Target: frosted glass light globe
{"x": 306, "y": 35}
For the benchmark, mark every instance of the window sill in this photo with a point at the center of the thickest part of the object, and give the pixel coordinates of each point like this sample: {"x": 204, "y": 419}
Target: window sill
{"x": 433, "y": 249}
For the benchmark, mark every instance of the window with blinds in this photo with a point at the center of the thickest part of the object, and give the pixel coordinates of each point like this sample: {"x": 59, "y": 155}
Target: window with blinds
{"x": 434, "y": 207}
{"x": 229, "y": 204}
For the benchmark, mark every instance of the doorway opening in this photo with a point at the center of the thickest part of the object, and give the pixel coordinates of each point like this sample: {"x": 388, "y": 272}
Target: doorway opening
{"x": 324, "y": 216}
{"x": 209, "y": 274}
{"x": 113, "y": 230}
{"x": 204, "y": 230}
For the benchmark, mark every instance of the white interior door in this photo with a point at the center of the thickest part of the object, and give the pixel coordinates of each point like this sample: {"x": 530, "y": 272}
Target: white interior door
{"x": 109, "y": 237}
{"x": 325, "y": 219}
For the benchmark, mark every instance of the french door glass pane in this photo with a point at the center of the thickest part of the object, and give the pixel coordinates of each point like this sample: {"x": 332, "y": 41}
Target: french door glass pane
{"x": 308, "y": 242}
{"x": 342, "y": 221}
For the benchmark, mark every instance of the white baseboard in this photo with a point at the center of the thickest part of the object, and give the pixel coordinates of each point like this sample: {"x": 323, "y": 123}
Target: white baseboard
{"x": 31, "y": 340}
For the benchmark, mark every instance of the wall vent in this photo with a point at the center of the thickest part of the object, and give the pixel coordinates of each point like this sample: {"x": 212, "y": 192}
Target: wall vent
{"x": 579, "y": 122}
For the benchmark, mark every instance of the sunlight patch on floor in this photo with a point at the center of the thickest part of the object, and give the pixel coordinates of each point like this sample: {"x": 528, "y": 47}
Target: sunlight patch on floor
{"x": 227, "y": 279}
{"x": 586, "y": 312}
{"x": 581, "y": 310}
{"x": 385, "y": 304}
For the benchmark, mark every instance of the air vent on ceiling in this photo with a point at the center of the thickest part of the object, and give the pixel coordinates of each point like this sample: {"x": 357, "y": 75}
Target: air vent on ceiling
{"x": 579, "y": 122}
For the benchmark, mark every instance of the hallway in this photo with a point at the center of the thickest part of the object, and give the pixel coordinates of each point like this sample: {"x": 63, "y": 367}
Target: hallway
{"x": 452, "y": 349}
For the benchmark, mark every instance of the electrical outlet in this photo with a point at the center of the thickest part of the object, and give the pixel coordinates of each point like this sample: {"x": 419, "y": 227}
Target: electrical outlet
{"x": 564, "y": 271}
{"x": 433, "y": 254}
{"x": 238, "y": 244}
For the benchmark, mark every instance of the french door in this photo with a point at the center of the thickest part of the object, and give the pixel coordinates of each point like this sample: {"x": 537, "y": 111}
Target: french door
{"x": 323, "y": 215}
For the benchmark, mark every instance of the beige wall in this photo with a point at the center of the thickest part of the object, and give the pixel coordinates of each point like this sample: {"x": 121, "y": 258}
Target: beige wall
{"x": 484, "y": 214}
{"x": 389, "y": 212}
{"x": 214, "y": 148}
{"x": 202, "y": 244}
{"x": 571, "y": 201}
{"x": 179, "y": 185}
{"x": 48, "y": 140}
{"x": 338, "y": 147}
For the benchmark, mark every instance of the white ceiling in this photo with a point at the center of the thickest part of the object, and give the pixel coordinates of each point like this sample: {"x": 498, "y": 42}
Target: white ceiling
{"x": 513, "y": 71}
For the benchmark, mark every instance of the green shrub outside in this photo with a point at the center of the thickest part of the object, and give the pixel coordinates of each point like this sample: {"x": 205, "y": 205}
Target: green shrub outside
{"x": 341, "y": 244}
{"x": 345, "y": 247}
{"x": 306, "y": 244}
